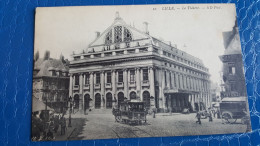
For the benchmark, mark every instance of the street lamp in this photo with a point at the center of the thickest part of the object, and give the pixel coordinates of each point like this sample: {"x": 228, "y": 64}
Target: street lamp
{"x": 70, "y": 99}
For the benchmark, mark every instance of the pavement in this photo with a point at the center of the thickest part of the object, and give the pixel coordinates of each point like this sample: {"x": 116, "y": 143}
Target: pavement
{"x": 103, "y": 126}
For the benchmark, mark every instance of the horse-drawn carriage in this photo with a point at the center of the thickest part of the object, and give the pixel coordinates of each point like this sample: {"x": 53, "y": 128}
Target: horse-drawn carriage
{"x": 233, "y": 108}
{"x": 131, "y": 111}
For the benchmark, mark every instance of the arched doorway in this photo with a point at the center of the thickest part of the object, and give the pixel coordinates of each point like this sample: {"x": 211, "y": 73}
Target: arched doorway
{"x": 109, "y": 100}
{"x": 146, "y": 99}
{"x": 132, "y": 95}
{"x": 76, "y": 101}
{"x": 97, "y": 100}
{"x": 120, "y": 97}
{"x": 87, "y": 99}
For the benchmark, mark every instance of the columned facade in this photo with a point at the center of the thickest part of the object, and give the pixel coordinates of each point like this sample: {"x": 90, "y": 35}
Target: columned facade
{"x": 125, "y": 64}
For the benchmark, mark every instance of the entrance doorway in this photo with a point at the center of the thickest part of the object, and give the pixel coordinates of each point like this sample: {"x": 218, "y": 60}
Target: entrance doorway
{"x": 109, "y": 100}
{"x": 120, "y": 97}
{"x": 146, "y": 99}
{"x": 87, "y": 100}
{"x": 97, "y": 100}
{"x": 76, "y": 101}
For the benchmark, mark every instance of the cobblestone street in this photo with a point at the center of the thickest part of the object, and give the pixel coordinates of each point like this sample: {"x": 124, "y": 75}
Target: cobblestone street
{"x": 103, "y": 126}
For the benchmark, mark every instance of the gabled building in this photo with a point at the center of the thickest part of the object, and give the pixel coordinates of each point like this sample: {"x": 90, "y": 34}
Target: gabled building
{"x": 126, "y": 63}
{"x": 51, "y": 82}
{"x": 233, "y": 79}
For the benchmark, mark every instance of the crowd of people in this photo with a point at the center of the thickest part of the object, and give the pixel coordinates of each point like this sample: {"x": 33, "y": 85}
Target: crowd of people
{"x": 44, "y": 127}
{"x": 210, "y": 113}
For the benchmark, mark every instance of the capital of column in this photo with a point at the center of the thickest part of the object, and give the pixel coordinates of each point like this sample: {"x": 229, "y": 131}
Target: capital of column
{"x": 125, "y": 69}
{"x": 91, "y": 72}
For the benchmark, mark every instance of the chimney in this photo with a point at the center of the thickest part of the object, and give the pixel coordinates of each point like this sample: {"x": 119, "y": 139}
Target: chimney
{"x": 146, "y": 27}
{"x": 97, "y": 34}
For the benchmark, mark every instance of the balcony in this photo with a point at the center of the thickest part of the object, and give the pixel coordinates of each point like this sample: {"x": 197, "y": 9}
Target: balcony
{"x": 132, "y": 84}
{"x": 145, "y": 83}
{"x": 108, "y": 86}
{"x": 120, "y": 84}
{"x": 86, "y": 86}
{"x": 97, "y": 86}
{"x": 76, "y": 87}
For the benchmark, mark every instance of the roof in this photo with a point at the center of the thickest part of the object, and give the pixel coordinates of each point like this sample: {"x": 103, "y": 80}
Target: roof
{"x": 234, "y": 99}
{"x": 232, "y": 42}
{"x": 45, "y": 66}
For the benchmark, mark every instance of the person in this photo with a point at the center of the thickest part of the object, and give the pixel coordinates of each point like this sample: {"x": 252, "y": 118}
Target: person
{"x": 37, "y": 126}
{"x": 63, "y": 125}
{"x": 154, "y": 111}
{"x": 56, "y": 123}
{"x": 210, "y": 117}
{"x": 198, "y": 116}
{"x": 50, "y": 135}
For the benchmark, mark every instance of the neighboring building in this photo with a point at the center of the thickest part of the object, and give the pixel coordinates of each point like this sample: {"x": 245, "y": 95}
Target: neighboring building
{"x": 51, "y": 82}
{"x": 233, "y": 79}
{"x": 215, "y": 92}
{"x": 126, "y": 63}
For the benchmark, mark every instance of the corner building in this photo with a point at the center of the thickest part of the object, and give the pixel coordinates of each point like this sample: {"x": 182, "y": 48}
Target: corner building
{"x": 126, "y": 63}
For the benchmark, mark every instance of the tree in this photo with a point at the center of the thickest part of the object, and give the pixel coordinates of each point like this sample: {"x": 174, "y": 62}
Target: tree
{"x": 36, "y": 56}
{"x": 46, "y": 55}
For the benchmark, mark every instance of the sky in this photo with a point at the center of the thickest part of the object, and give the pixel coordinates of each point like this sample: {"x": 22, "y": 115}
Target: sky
{"x": 195, "y": 29}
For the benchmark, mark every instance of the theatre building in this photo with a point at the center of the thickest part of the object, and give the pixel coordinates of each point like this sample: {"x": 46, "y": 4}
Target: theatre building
{"x": 125, "y": 63}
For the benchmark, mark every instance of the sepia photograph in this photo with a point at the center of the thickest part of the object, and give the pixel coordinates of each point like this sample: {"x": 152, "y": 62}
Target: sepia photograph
{"x": 108, "y": 72}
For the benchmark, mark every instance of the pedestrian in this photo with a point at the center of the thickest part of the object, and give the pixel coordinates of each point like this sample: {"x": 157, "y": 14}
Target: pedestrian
{"x": 56, "y": 123}
{"x": 154, "y": 111}
{"x": 198, "y": 116}
{"x": 210, "y": 117}
{"x": 62, "y": 125}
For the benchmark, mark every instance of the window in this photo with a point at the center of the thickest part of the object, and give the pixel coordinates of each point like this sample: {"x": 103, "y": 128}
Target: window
{"x": 232, "y": 70}
{"x": 232, "y": 86}
{"x": 132, "y": 75}
{"x": 108, "y": 39}
{"x": 127, "y": 35}
{"x": 120, "y": 76}
{"x": 118, "y": 34}
{"x": 76, "y": 79}
{"x": 87, "y": 79}
{"x": 109, "y": 77}
{"x": 145, "y": 75}
{"x": 97, "y": 78}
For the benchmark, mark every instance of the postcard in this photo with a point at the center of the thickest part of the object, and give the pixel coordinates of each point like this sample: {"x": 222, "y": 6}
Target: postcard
{"x": 108, "y": 72}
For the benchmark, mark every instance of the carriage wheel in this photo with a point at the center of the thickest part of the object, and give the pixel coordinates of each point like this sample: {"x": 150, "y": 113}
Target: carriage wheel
{"x": 118, "y": 119}
{"x": 228, "y": 117}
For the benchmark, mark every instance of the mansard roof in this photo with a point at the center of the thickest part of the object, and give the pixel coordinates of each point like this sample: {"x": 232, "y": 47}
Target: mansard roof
{"x": 44, "y": 66}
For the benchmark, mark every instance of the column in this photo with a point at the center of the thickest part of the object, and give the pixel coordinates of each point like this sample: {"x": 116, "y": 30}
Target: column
{"x": 125, "y": 84}
{"x": 137, "y": 81}
{"x": 152, "y": 90}
{"x": 162, "y": 89}
{"x": 141, "y": 77}
{"x": 185, "y": 82}
{"x": 71, "y": 86}
{"x": 92, "y": 88}
{"x": 168, "y": 79}
{"x": 81, "y": 106}
{"x": 177, "y": 80}
{"x": 114, "y": 82}
{"x": 102, "y": 89}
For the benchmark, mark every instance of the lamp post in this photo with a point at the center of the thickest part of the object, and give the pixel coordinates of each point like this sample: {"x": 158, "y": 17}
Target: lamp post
{"x": 69, "y": 125}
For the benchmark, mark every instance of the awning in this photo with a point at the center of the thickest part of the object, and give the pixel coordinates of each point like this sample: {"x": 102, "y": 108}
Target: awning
{"x": 38, "y": 105}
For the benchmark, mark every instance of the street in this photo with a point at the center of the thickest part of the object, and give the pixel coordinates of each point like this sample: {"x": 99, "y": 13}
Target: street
{"x": 103, "y": 126}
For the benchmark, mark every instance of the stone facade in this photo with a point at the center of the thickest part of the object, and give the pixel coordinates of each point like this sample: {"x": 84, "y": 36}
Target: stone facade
{"x": 126, "y": 63}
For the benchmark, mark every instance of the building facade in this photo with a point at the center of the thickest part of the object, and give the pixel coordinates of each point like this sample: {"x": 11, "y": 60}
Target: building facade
{"x": 233, "y": 78}
{"x": 126, "y": 63}
{"x": 51, "y": 83}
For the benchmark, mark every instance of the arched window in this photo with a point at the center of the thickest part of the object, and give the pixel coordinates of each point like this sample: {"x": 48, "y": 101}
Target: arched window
{"x": 132, "y": 95}
{"x": 127, "y": 35}
{"x": 118, "y": 34}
